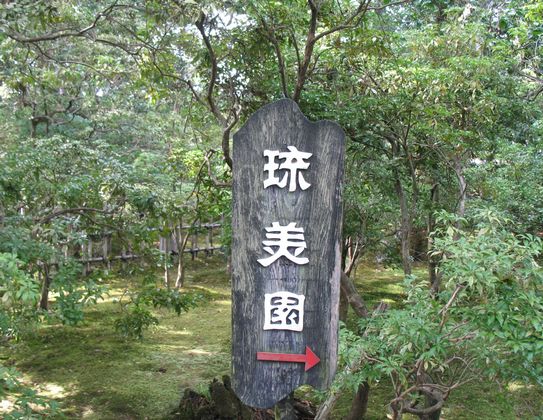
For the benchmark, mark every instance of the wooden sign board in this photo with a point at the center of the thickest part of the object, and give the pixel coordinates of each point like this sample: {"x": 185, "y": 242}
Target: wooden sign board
{"x": 286, "y": 253}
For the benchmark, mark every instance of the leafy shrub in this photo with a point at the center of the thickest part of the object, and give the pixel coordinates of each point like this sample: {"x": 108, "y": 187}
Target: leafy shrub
{"x": 484, "y": 323}
{"x": 137, "y": 316}
{"x": 73, "y": 294}
{"x": 20, "y": 294}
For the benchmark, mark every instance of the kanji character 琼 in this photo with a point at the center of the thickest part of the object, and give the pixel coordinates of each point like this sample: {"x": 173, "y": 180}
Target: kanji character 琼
{"x": 294, "y": 163}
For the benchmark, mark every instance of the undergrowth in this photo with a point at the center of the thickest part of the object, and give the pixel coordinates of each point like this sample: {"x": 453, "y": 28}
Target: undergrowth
{"x": 95, "y": 373}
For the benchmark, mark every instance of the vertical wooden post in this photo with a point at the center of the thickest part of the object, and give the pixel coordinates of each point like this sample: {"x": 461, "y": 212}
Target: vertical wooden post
{"x": 105, "y": 250}
{"x": 180, "y": 247}
{"x": 210, "y": 239}
{"x": 123, "y": 257}
{"x": 194, "y": 244}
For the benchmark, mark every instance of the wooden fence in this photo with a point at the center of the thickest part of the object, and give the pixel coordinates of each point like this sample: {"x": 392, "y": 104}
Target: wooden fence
{"x": 201, "y": 240}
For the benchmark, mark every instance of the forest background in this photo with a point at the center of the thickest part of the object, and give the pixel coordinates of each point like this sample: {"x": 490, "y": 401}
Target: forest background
{"x": 116, "y": 123}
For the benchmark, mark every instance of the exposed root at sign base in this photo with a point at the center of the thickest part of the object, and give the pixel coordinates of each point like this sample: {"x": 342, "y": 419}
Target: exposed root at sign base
{"x": 223, "y": 404}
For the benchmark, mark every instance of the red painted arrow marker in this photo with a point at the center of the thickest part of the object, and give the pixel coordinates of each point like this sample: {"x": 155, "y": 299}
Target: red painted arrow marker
{"x": 309, "y": 358}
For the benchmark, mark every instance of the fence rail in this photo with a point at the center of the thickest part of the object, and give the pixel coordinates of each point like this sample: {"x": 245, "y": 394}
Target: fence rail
{"x": 100, "y": 251}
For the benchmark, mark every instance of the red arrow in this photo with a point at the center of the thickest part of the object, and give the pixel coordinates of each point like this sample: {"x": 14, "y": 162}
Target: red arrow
{"x": 309, "y": 358}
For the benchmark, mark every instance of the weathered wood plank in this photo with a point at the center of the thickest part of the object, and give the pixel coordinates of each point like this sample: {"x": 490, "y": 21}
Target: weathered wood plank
{"x": 318, "y": 210}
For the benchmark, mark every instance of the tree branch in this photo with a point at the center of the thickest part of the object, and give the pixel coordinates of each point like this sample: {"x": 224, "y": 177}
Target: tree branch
{"x": 214, "y": 69}
{"x": 213, "y": 178}
{"x": 268, "y": 33}
{"x": 68, "y": 33}
{"x": 57, "y": 213}
{"x": 308, "y": 51}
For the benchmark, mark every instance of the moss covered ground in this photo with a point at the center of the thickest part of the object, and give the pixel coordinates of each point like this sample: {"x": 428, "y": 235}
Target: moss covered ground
{"x": 95, "y": 374}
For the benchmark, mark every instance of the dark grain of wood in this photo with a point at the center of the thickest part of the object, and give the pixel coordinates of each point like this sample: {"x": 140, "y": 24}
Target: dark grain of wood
{"x": 318, "y": 210}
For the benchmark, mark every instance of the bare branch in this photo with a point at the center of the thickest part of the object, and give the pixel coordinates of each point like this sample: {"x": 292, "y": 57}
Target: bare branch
{"x": 445, "y": 309}
{"x": 68, "y": 32}
{"x": 354, "y": 256}
{"x": 354, "y": 298}
{"x": 214, "y": 69}
{"x": 384, "y": 6}
{"x": 226, "y": 140}
{"x": 216, "y": 182}
{"x": 270, "y": 34}
{"x": 350, "y": 22}
{"x": 78, "y": 210}
{"x": 296, "y": 49}
{"x": 308, "y": 51}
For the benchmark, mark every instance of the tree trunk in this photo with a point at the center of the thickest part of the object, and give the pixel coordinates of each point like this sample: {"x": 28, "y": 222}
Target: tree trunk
{"x": 2, "y": 215}
{"x": 44, "y": 300}
{"x": 432, "y": 260}
{"x": 359, "y": 406}
{"x": 430, "y": 401}
{"x": 124, "y": 254}
{"x": 167, "y": 241}
{"x": 89, "y": 257}
{"x": 353, "y": 297}
{"x": 209, "y": 241}
{"x": 343, "y": 305}
{"x": 405, "y": 227}
{"x": 462, "y": 186}
{"x": 343, "y": 298}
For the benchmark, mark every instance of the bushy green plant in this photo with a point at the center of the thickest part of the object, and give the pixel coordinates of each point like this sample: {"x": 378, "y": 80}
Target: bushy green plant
{"x": 73, "y": 294}
{"x": 484, "y": 323}
{"x": 20, "y": 294}
{"x": 137, "y": 316}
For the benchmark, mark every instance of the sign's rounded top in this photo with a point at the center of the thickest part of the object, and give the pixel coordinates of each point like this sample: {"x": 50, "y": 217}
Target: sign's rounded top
{"x": 286, "y": 106}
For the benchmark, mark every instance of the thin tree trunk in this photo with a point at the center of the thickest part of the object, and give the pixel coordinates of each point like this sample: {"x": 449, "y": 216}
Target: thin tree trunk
{"x": 89, "y": 257}
{"x": 327, "y": 406}
{"x": 209, "y": 242}
{"x": 462, "y": 186}
{"x": 353, "y": 297}
{"x": 2, "y": 215}
{"x": 343, "y": 305}
{"x": 167, "y": 240}
{"x": 123, "y": 257}
{"x": 359, "y": 406}
{"x": 44, "y": 300}
{"x": 432, "y": 260}
{"x": 343, "y": 299}
{"x": 180, "y": 263}
{"x": 405, "y": 227}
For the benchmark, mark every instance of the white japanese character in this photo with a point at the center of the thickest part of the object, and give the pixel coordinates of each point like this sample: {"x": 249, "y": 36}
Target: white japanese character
{"x": 284, "y": 311}
{"x": 284, "y": 237}
{"x": 294, "y": 162}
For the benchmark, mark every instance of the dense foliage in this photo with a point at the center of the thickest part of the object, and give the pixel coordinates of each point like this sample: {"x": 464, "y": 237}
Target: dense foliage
{"x": 115, "y": 129}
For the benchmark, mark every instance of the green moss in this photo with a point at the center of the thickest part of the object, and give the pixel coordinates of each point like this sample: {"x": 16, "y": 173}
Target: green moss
{"x": 95, "y": 374}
